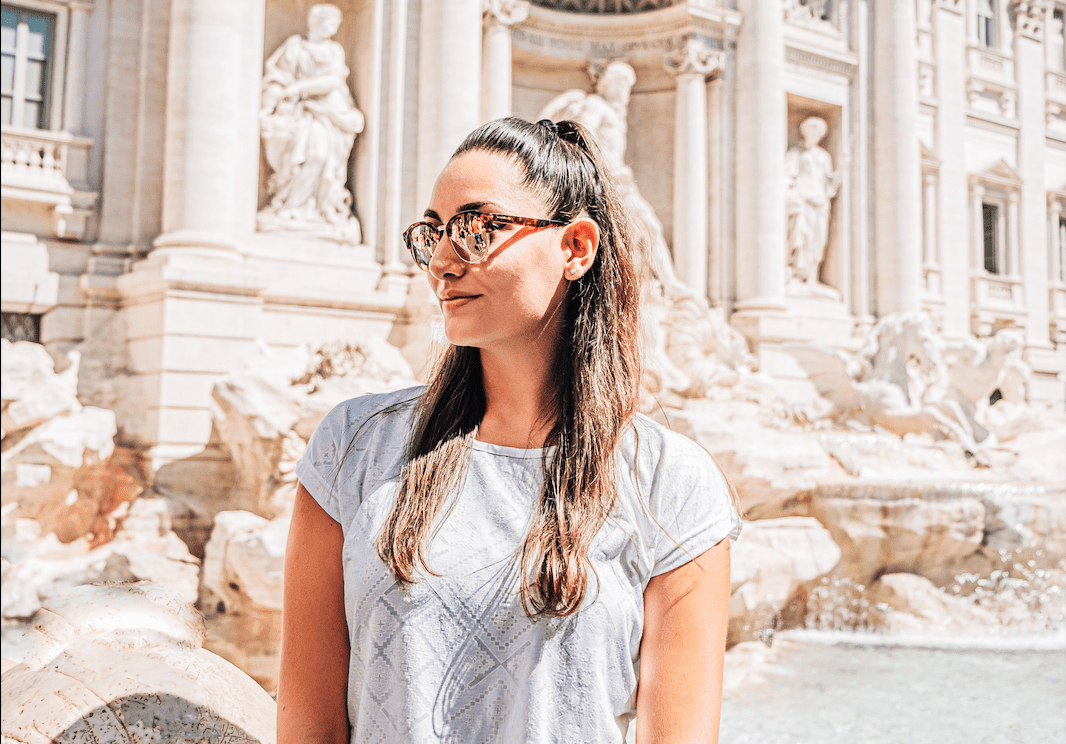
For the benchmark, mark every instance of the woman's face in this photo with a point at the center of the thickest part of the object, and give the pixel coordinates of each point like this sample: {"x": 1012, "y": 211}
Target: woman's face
{"x": 516, "y": 296}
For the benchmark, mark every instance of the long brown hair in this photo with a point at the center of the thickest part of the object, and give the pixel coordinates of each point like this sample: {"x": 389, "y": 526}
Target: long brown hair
{"x": 598, "y": 369}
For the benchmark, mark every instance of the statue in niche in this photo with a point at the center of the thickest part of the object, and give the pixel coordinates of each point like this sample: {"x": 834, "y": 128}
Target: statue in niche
{"x": 691, "y": 347}
{"x": 811, "y": 184}
{"x": 309, "y": 122}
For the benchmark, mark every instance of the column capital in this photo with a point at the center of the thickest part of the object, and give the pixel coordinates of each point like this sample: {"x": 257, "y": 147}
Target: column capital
{"x": 1029, "y": 18}
{"x": 505, "y": 12}
{"x": 694, "y": 58}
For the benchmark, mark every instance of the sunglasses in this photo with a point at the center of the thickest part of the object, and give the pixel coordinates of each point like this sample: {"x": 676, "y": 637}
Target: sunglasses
{"x": 470, "y": 234}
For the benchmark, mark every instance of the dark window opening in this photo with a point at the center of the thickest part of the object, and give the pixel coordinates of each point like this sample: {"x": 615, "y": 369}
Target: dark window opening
{"x": 990, "y": 220}
{"x": 22, "y": 327}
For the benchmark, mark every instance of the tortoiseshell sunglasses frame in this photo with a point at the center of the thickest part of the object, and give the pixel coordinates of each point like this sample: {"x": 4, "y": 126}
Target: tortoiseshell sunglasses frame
{"x": 456, "y": 238}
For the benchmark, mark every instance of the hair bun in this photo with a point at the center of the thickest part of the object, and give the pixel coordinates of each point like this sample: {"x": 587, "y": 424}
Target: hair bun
{"x": 550, "y": 125}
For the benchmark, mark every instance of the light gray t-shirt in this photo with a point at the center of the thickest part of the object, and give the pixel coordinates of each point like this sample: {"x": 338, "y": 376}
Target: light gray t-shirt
{"x": 454, "y": 658}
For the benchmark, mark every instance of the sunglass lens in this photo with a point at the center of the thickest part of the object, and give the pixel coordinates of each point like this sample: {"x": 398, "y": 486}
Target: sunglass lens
{"x": 421, "y": 240}
{"x": 471, "y": 236}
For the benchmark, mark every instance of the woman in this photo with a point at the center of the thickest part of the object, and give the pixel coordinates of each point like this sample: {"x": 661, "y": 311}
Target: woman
{"x": 487, "y": 558}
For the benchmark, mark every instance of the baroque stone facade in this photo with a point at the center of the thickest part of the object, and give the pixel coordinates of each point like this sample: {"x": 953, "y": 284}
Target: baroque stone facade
{"x": 135, "y": 164}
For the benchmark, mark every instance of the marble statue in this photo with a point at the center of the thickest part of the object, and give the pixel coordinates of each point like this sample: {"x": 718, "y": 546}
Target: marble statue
{"x": 308, "y": 123}
{"x": 691, "y": 347}
{"x": 810, "y": 185}
{"x": 907, "y": 379}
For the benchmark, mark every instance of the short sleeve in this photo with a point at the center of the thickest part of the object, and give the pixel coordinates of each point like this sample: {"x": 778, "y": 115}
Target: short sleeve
{"x": 334, "y": 465}
{"x": 319, "y": 468}
{"x": 692, "y": 503}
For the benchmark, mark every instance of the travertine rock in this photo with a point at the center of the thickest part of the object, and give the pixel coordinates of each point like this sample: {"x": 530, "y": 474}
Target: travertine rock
{"x": 32, "y": 392}
{"x": 266, "y": 413}
{"x": 123, "y": 664}
{"x": 913, "y": 603}
{"x": 899, "y": 529}
{"x": 242, "y": 591}
{"x": 253, "y": 416}
{"x": 770, "y": 561}
{"x": 144, "y": 547}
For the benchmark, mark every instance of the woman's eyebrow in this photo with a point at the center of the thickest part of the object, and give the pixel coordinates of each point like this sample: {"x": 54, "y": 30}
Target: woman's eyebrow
{"x": 471, "y": 206}
{"x": 429, "y": 213}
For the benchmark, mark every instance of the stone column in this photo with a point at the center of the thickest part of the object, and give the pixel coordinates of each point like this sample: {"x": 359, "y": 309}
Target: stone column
{"x": 897, "y": 225}
{"x": 1029, "y": 61}
{"x": 691, "y": 65}
{"x": 761, "y": 141}
{"x": 953, "y": 236}
{"x": 449, "y": 84}
{"x": 207, "y": 136}
{"x": 499, "y": 16}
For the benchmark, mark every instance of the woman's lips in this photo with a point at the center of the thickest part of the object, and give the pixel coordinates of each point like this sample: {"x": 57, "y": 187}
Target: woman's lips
{"x": 457, "y": 301}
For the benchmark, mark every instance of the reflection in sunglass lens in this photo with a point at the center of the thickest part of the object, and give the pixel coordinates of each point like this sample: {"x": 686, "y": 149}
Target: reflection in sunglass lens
{"x": 422, "y": 239}
{"x": 471, "y": 234}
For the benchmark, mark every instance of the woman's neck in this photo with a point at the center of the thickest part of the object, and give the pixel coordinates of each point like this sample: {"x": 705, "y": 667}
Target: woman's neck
{"x": 519, "y": 395}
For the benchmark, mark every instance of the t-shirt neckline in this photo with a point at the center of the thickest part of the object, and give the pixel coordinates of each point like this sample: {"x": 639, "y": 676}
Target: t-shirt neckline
{"x": 518, "y": 452}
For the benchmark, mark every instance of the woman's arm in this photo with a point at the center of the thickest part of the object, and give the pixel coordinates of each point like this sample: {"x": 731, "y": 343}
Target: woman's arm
{"x": 313, "y": 685}
{"x": 686, "y": 610}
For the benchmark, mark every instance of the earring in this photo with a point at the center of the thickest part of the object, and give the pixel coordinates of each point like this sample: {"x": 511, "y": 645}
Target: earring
{"x": 573, "y": 270}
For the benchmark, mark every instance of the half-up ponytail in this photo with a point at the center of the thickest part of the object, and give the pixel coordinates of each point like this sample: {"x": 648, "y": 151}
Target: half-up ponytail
{"x": 598, "y": 369}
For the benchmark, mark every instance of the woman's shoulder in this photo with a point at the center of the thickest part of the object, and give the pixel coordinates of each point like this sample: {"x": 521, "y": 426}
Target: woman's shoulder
{"x": 652, "y": 439}
{"x": 350, "y": 417}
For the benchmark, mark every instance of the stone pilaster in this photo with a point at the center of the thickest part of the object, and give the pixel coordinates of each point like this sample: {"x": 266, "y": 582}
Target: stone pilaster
{"x": 1029, "y": 63}
{"x": 499, "y": 16}
{"x": 897, "y": 228}
{"x": 952, "y": 207}
{"x": 691, "y": 65}
{"x": 761, "y": 140}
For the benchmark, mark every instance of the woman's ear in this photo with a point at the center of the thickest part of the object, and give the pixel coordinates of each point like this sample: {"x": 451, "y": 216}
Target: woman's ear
{"x": 581, "y": 240}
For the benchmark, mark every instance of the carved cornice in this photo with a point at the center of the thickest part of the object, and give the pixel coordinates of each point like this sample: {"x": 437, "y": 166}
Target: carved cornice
{"x": 805, "y": 58}
{"x": 579, "y": 36}
{"x": 694, "y": 58}
{"x": 979, "y": 122}
{"x": 505, "y": 12}
{"x": 1029, "y": 17}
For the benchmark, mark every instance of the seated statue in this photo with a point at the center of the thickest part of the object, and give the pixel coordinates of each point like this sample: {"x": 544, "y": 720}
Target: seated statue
{"x": 308, "y": 124}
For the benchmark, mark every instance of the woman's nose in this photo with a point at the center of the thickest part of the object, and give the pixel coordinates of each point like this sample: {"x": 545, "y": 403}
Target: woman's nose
{"x": 445, "y": 261}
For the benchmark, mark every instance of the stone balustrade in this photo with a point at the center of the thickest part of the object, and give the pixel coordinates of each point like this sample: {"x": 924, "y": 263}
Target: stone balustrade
{"x": 33, "y": 157}
{"x": 999, "y": 301}
{"x": 49, "y": 168}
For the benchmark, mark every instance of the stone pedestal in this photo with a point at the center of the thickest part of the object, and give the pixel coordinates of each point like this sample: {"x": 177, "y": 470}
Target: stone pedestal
{"x": 191, "y": 315}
